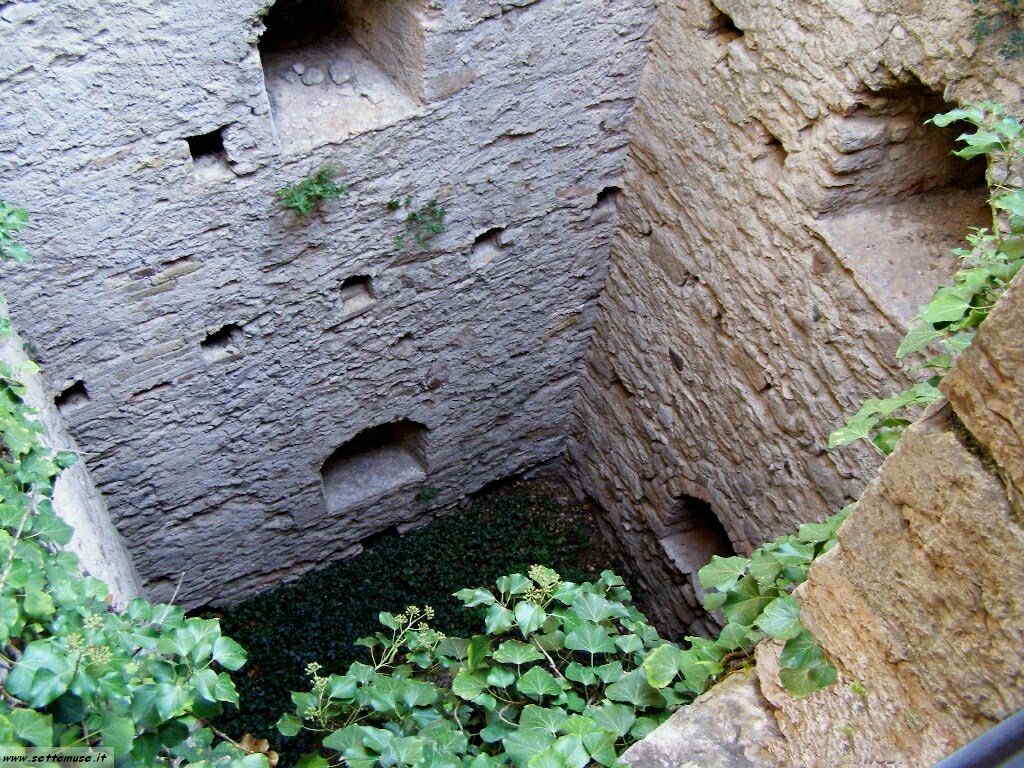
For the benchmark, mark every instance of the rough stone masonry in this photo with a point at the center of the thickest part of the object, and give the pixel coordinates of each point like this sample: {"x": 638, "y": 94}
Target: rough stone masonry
{"x": 202, "y": 343}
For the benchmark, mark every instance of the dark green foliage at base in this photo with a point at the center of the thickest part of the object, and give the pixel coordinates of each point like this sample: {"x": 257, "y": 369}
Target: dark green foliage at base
{"x": 317, "y": 617}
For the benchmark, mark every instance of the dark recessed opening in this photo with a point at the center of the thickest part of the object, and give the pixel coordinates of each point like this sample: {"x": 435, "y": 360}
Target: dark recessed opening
{"x": 334, "y": 69}
{"x": 356, "y": 294}
{"x": 677, "y": 361}
{"x": 697, "y": 535}
{"x": 373, "y": 463}
{"x": 608, "y": 196}
{"x": 72, "y": 397}
{"x": 222, "y": 344}
{"x": 209, "y": 159}
{"x": 722, "y": 27}
{"x": 208, "y": 145}
{"x": 487, "y": 246}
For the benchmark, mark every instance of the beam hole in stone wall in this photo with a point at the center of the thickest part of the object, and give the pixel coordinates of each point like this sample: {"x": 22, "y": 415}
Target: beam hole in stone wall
{"x": 487, "y": 246}
{"x": 72, "y": 397}
{"x": 336, "y": 68}
{"x": 223, "y": 344}
{"x": 606, "y": 206}
{"x": 376, "y": 462}
{"x": 357, "y": 295}
{"x": 209, "y": 159}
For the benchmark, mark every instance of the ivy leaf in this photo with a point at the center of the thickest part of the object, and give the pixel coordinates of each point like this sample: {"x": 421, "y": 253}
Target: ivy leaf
{"x": 523, "y": 743}
{"x": 745, "y": 603}
{"x": 33, "y": 727}
{"x": 635, "y": 689}
{"x": 289, "y": 725}
{"x": 118, "y": 733}
{"x": 616, "y": 718}
{"x": 538, "y": 682}
{"x": 547, "y": 718}
{"x": 805, "y": 680}
{"x": 468, "y": 685}
{"x": 514, "y": 584}
{"x": 500, "y": 677}
{"x": 611, "y": 672}
{"x": 734, "y": 636}
{"x": 581, "y": 674}
{"x": 722, "y": 573}
{"x": 41, "y": 675}
{"x": 591, "y": 607}
{"x": 947, "y": 306}
{"x": 529, "y": 616}
{"x": 498, "y": 620}
{"x": 516, "y": 652}
{"x": 474, "y": 597}
{"x": 224, "y": 690}
{"x": 661, "y": 665}
{"x": 714, "y": 600}
{"x": 590, "y": 638}
{"x": 228, "y": 653}
{"x": 781, "y": 618}
{"x": 631, "y": 643}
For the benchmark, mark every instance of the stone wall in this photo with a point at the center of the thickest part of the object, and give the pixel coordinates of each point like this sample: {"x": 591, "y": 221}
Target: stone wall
{"x": 100, "y": 549}
{"x": 211, "y": 353}
{"x": 784, "y": 212}
{"x": 920, "y": 606}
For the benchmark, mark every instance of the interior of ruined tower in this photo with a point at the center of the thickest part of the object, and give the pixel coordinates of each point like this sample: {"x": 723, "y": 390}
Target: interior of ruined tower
{"x": 526, "y": 383}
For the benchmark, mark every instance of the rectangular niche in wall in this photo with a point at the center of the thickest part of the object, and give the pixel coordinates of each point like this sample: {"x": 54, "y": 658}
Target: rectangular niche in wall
{"x": 356, "y": 296}
{"x": 373, "y": 463}
{"x": 209, "y": 160}
{"x": 336, "y": 68}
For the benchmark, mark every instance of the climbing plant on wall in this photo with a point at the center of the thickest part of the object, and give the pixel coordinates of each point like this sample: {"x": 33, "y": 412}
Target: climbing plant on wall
{"x": 993, "y": 256}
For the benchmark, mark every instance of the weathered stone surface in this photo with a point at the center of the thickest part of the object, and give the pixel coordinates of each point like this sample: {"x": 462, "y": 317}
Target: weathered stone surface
{"x": 100, "y": 549}
{"x": 986, "y": 388}
{"x": 730, "y": 726}
{"x": 518, "y": 122}
{"x": 784, "y": 212}
{"x": 922, "y": 605}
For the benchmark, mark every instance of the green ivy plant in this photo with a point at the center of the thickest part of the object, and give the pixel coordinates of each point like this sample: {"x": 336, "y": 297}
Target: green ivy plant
{"x": 306, "y": 195}
{"x": 75, "y": 672}
{"x": 563, "y": 675}
{"x": 421, "y": 225}
{"x": 992, "y": 258}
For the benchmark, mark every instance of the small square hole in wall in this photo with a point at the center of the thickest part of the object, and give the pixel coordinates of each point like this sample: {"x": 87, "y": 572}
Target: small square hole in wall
{"x": 209, "y": 160}
{"x": 73, "y": 396}
{"x": 487, "y": 247}
{"x": 356, "y": 295}
{"x": 336, "y": 68}
{"x": 223, "y": 344}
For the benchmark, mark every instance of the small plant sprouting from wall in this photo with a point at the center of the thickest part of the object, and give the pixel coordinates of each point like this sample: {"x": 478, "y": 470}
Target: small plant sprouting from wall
{"x": 1000, "y": 20}
{"x": 303, "y": 196}
{"x": 12, "y": 221}
{"x": 421, "y": 224}
{"x": 991, "y": 260}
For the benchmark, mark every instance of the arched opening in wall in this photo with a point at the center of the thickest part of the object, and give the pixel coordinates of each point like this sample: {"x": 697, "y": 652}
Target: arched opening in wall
{"x": 376, "y": 462}
{"x": 696, "y": 536}
{"x": 336, "y": 68}
{"x": 72, "y": 397}
{"x": 896, "y": 201}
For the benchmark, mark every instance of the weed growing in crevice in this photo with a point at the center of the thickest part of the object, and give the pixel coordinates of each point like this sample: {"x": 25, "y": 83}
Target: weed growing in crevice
{"x": 421, "y": 224}
{"x": 303, "y": 196}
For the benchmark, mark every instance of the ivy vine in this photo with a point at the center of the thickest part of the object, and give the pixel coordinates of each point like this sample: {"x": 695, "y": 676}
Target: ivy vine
{"x": 993, "y": 256}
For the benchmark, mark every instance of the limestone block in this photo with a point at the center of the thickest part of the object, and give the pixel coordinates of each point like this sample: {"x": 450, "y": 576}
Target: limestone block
{"x": 986, "y": 386}
{"x": 921, "y": 609}
{"x": 730, "y": 726}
